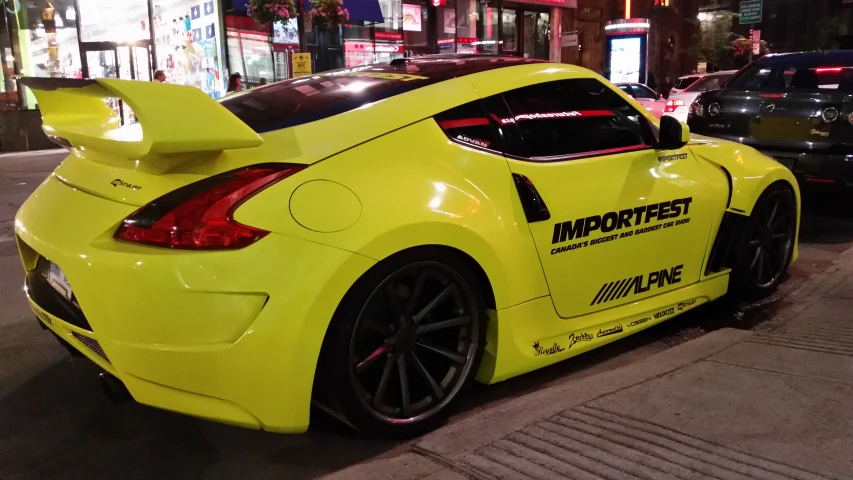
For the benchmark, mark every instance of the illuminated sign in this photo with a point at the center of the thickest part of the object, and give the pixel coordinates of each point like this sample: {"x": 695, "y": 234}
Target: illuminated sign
{"x": 412, "y": 17}
{"x": 554, "y": 3}
{"x": 625, "y": 59}
{"x": 389, "y": 36}
{"x": 370, "y": 47}
{"x": 438, "y": 3}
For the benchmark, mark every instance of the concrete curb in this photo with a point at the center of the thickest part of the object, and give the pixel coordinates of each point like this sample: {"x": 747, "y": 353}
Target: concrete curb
{"x": 438, "y": 455}
{"x": 453, "y": 441}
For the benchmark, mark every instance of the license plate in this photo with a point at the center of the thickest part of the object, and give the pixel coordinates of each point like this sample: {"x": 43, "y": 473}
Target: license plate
{"x": 56, "y": 278}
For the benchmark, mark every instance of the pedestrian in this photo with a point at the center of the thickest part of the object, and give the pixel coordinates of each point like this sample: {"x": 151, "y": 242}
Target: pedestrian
{"x": 262, "y": 82}
{"x": 665, "y": 87}
{"x": 235, "y": 82}
{"x": 160, "y": 76}
{"x": 651, "y": 83}
{"x": 693, "y": 72}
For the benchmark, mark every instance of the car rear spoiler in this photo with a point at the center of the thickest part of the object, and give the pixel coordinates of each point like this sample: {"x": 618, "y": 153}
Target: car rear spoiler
{"x": 172, "y": 119}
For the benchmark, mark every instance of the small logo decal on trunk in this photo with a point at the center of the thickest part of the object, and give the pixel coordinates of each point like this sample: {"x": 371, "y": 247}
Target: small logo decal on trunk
{"x": 121, "y": 183}
{"x": 818, "y": 132}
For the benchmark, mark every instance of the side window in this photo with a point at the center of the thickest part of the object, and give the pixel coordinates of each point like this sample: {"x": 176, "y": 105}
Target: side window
{"x": 644, "y": 92}
{"x": 571, "y": 118}
{"x": 468, "y": 124}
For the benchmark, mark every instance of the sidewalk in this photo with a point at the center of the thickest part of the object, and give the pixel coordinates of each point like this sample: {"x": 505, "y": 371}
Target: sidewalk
{"x": 733, "y": 404}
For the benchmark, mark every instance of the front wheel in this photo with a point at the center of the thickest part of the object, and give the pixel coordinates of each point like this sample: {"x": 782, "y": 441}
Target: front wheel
{"x": 766, "y": 243}
{"x": 404, "y": 344}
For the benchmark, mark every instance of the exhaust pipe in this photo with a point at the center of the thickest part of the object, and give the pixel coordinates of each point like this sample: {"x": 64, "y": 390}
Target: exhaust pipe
{"x": 114, "y": 388}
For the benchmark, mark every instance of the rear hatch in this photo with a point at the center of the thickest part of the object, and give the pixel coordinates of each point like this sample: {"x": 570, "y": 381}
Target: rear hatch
{"x": 787, "y": 103}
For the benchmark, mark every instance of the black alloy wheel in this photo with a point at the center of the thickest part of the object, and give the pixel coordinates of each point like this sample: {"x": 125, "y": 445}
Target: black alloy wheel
{"x": 769, "y": 241}
{"x": 414, "y": 342}
{"x": 410, "y": 345}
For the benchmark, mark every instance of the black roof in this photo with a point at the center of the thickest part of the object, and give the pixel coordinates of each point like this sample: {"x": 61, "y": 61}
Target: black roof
{"x": 306, "y": 99}
{"x": 843, "y": 57}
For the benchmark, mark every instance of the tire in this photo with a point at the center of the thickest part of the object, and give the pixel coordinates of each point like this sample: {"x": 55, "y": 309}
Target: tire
{"x": 415, "y": 320}
{"x": 765, "y": 244}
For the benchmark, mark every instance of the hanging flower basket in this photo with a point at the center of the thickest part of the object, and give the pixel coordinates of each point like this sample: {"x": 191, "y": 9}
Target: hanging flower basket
{"x": 328, "y": 14}
{"x": 741, "y": 47}
{"x": 268, "y": 11}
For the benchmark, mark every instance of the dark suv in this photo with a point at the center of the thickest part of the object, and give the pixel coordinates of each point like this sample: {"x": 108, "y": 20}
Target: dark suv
{"x": 794, "y": 107}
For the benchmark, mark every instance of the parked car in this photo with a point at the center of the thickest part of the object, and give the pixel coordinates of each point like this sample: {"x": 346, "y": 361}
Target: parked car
{"x": 793, "y": 107}
{"x": 371, "y": 240}
{"x": 683, "y": 82}
{"x": 647, "y": 97}
{"x": 679, "y": 103}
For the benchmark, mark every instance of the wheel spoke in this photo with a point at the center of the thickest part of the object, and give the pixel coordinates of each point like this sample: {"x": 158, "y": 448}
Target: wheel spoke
{"x": 371, "y": 359}
{"x": 754, "y": 243}
{"x": 453, "y": 322}
{"x": 435, "y": 302}
{"x": 445, "y": 353}
{"x": 773, "y": 213}
{"x": 383, "y": 382}
{"x": 404, "y": 385}
{"x": 416, "y": 293}
{"x": 755, "y": 258}
{"x": 769, "y": 263}
{"x": 435, "y": 387}
{"x": 760, "y": 266}
{"x": 778, "y": 236}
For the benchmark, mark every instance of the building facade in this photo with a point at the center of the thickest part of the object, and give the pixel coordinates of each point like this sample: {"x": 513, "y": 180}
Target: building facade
{"x": 201, "y": 42}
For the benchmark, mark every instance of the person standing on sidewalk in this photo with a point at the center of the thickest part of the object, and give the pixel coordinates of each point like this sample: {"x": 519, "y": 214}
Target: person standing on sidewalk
{"x": 665, "y": 87}
{"x": 160, "y": 76}
{"x": 235, "y": 82}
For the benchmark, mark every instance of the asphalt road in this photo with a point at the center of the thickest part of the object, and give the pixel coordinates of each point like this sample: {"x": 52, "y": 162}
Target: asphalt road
{"x": 56, "y": 423}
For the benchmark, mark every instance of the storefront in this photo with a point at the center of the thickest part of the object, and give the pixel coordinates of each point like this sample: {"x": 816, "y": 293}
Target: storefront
{"x": 127, "y": 39}
{"x": 418, "y": 27}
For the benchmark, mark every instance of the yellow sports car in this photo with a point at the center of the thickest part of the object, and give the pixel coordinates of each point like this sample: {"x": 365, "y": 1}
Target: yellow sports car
{"x": 373, "y": 239}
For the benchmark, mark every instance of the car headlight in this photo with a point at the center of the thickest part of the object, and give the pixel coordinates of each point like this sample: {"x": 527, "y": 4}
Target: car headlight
{"x": 697, "y": 109}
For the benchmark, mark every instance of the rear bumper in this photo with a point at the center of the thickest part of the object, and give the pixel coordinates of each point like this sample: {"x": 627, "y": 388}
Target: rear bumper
{"x": 813, "y": 167}
{"x": 809, "y": 166}
{"x": 230, "y": 336}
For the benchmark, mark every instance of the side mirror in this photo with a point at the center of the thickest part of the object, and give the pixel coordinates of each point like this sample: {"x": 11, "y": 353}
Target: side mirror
{"x": 673, "y": 134}
{"x": 660, "y": 96}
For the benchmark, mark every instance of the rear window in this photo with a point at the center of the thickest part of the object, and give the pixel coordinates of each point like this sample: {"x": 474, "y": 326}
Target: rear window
{"x": 711, "y": 82}
{"x": 307, "y": 99}
{"x": 685, "y": 82}
{"x": 794, "y": 73}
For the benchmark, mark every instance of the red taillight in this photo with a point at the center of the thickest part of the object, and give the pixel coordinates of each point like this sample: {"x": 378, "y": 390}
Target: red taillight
{"x": 829, "y": 69}
{"x": 200, "y": 216}
{"x": 672, "y": 105}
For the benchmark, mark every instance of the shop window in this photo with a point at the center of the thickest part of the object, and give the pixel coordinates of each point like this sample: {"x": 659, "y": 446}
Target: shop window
{"x": 47, "y": 41}
{"x": 468, "y": 125}
{"x": 115, "y": 21}
{"x": 188, "y": 43}
{"x": 509, "y": 31}
{"x": 537, "y": 35}
{"x": 446, "y": 27}
{"x": 571, "y": 118}
{"x": 415, "y": 20}
{"x": 249, "y": 51}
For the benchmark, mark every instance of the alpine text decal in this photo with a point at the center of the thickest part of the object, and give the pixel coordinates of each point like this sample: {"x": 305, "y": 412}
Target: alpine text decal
{"x": 619, "y": 221}
{"x": 637, "y": 284}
